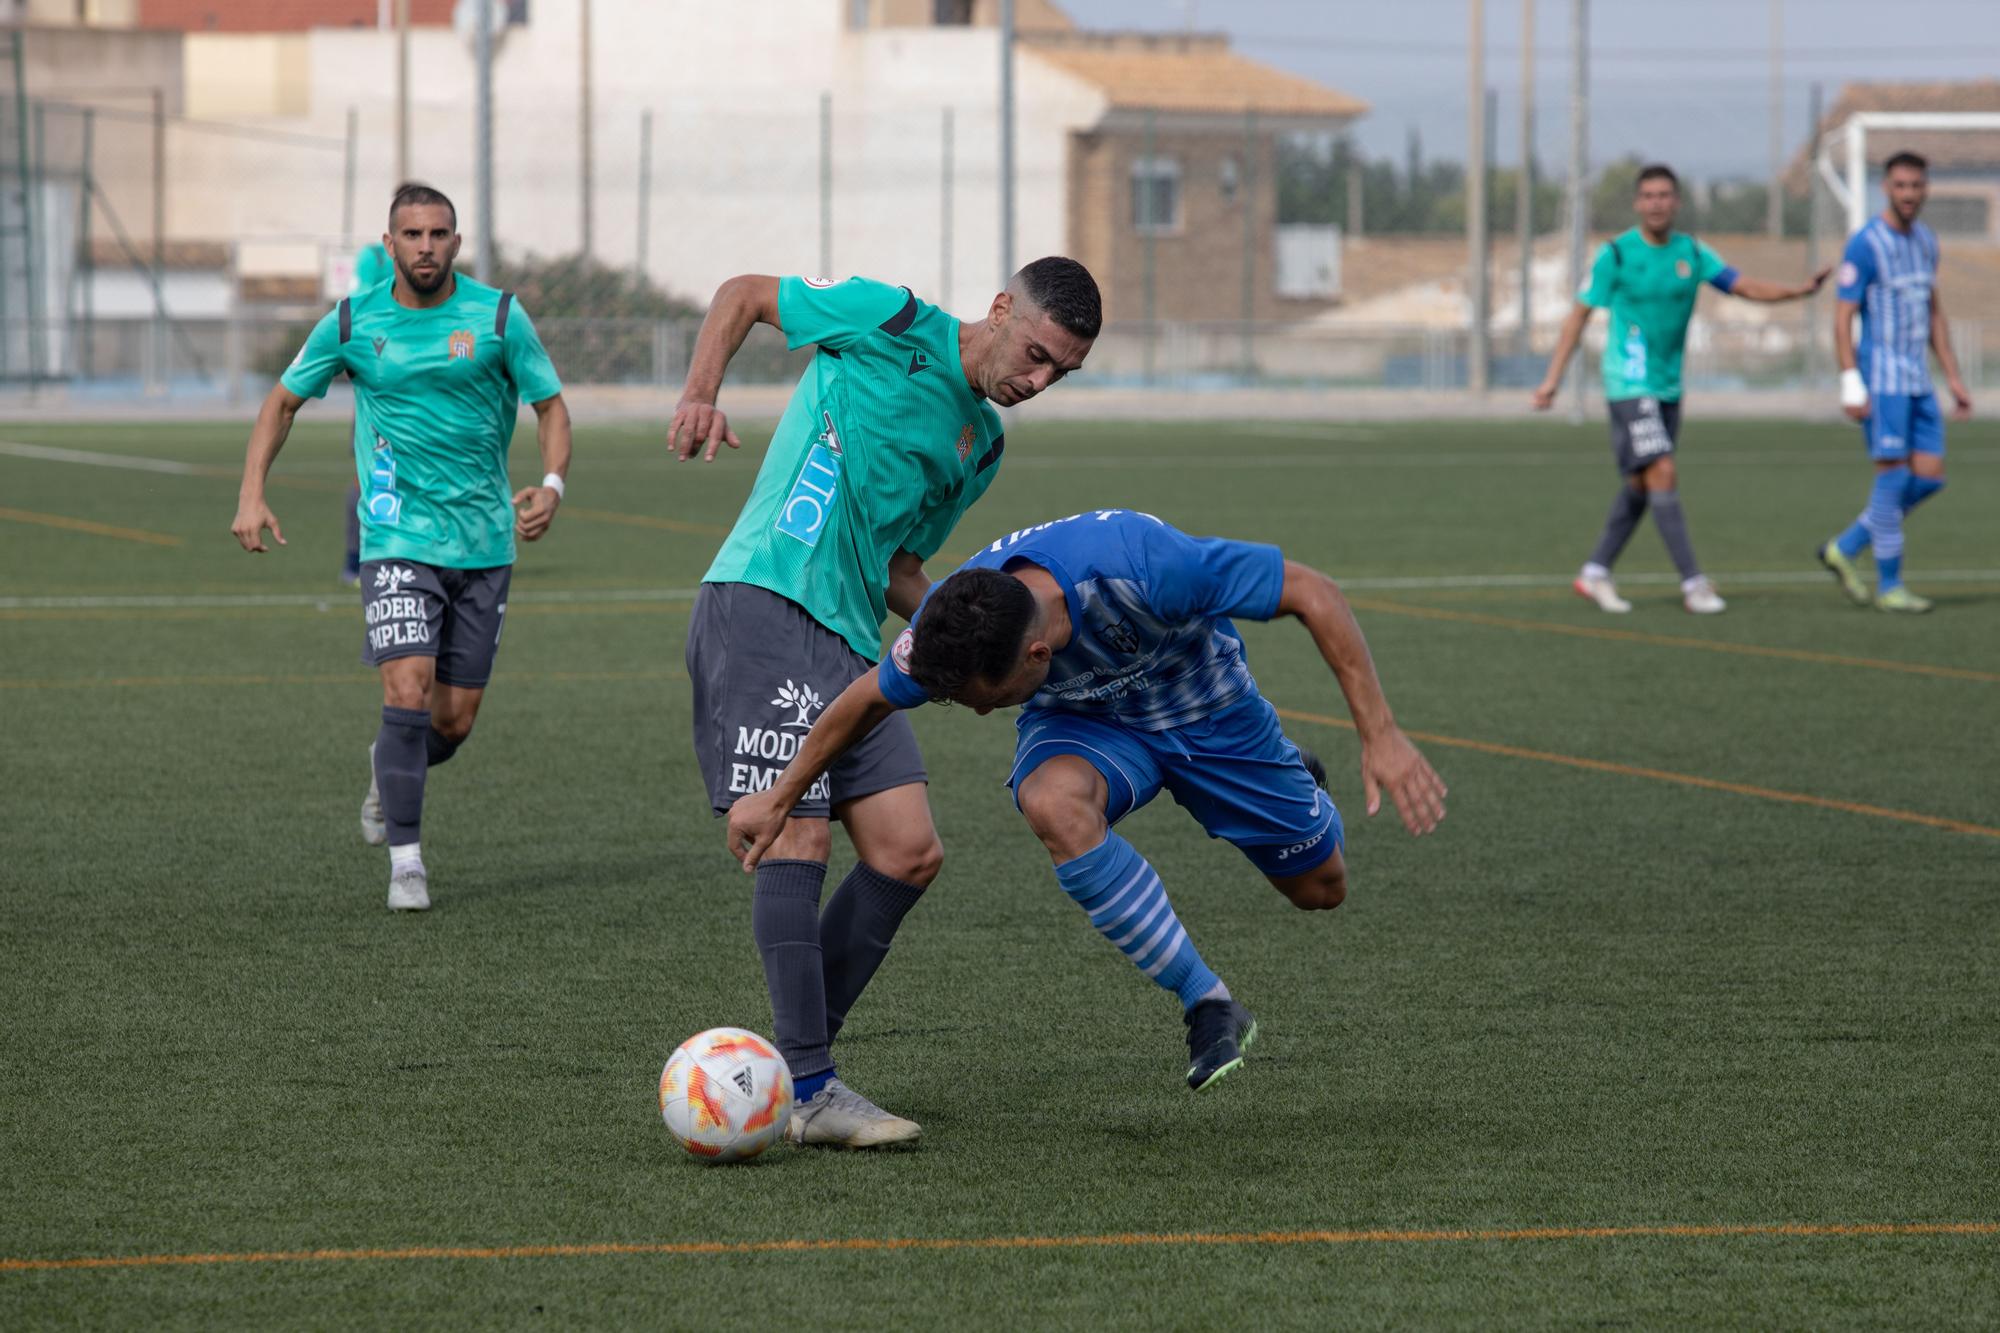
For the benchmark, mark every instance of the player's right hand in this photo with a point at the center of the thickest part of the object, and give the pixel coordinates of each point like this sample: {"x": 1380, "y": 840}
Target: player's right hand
{"x": 699, "y": 426}
{"x": 1545, "y": 397}
{"x": 252, "y": 517}
{"x": 755, "y": 822}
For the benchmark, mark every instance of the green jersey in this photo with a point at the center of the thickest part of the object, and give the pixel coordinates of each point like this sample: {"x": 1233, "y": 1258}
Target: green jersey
{"x": 435, "y": 396}
{"x": 1650, "y": 291}
{"x": 882, "y": 447}
{"x": 371, "y": 265}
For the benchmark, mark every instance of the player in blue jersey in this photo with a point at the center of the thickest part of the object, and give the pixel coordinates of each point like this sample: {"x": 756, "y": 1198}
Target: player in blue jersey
{"x": 1112, "y": 629}
{"x": 1888, "y": 276}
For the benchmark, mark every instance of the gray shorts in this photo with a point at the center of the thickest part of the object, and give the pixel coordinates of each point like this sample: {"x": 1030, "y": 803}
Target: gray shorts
{"x": 454, "y": 615}
{"x": 1643, "y": 431}
{"x": 763, "y": 671}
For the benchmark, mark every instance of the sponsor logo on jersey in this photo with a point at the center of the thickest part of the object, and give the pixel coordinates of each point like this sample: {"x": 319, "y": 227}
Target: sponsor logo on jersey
{"x": 776, "y": 746}
{"x": 380, "y": 343}
{"x": 461, "y": 344}
{"x": 819, "y": 282}
{"x": 805, "y": 511}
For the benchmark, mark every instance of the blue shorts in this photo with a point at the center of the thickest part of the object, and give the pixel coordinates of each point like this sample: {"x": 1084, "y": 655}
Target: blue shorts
{"x": 1899, "y": 424}
{"x": 1233, "y": 771}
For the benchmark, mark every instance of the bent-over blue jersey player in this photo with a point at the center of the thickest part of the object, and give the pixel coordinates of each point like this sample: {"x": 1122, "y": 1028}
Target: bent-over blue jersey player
{"x": 1112, "y": 629}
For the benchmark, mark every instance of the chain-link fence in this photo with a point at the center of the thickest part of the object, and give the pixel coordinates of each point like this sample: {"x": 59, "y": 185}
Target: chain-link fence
{"x": 147, "y": 252}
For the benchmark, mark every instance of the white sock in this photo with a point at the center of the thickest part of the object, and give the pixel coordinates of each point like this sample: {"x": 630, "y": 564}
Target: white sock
{"x": 405, "y": 857}
{"x": 1593, "y": 570}
{"x": 1689, "y": 585}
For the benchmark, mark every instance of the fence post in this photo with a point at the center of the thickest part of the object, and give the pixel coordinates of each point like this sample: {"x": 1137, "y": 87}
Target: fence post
{"x": 37, "y": 270}
{"x": 645, "y": 187}
{"x": 826, "y": 185}
{"x": 1249, "y": 196}
{"x": 156, "y": 377}
{"x": 1151, "y": 308}
{"x": 351, "y": 153}
{"x": 944, "y": 219}
{"x": 87, "y": 260}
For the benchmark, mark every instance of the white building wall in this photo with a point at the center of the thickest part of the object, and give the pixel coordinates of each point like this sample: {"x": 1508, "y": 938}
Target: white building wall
{"x": 735, "y": 94}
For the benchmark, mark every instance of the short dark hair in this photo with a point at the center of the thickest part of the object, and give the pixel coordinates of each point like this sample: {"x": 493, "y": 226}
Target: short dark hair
{"x": 1656, "y": 171}
{"x": 1066, "y": 292}
{"x": 970, "y": 629}
{"x": 1906, "y": 158}
{"x": 416, "y": 192}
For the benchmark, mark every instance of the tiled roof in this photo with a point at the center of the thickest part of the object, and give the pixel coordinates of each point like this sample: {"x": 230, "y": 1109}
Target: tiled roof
{"x": 1188, "y": 74}
{"x": 1946, "y": 149}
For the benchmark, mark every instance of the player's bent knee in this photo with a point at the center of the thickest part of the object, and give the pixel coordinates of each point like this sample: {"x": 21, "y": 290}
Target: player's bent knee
{"x": 1320, "y": 890}
{"x": 918, "y": 865}
{"x": 1067, "y": 825}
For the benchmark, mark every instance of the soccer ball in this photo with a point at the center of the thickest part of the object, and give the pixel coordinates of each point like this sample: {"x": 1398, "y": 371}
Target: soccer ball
{"x": 726, "y": 1095}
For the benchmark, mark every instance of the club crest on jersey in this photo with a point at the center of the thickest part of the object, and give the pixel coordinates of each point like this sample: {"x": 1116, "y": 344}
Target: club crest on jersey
{"x": 461, "y": 344}
{"x": 1121, "y": 636}
{"x": 966, "y": 439}
{"x": 1683, "y": 269}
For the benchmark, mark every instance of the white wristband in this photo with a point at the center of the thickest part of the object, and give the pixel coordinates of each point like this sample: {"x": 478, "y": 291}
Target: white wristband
{"x": 1853, "y": 390}
{"x": 554, "y": 483}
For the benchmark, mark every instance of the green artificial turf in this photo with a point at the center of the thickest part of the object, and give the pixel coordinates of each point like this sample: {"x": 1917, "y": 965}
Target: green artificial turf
{"x": 1596, "y": 998}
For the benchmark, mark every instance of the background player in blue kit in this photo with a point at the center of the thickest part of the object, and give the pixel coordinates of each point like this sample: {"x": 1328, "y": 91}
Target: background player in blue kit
{"x": 1888, "y": 276}
{"x": 1112, "y": 628}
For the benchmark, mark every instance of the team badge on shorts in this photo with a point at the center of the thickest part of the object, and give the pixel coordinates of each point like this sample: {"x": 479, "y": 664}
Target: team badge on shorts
{"x": 461, "y": 344}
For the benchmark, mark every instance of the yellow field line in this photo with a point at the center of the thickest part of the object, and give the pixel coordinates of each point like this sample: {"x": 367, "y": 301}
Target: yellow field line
{"x": 1119, "y": 1240}
{"x": 644, "y": 521}
{"x": 1663, "y": 775}
{"x": 1671, "y": 640}
{"x": 94, "y": 529}
{"x": 328, "y": 678}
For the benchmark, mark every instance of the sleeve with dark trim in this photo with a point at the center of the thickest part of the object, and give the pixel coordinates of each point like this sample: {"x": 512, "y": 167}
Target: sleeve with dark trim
{"x": 318, "y": 361}
{"x": 839, "y": 314}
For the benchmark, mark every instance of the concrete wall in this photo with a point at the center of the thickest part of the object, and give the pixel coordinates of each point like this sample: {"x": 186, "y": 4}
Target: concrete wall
{"x": 248, "y": 75}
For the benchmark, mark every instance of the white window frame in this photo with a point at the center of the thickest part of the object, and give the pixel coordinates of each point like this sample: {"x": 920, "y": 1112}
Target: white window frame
{"x": 1150, "y": 171}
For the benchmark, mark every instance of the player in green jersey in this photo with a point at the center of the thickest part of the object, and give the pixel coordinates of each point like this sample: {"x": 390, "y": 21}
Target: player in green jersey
{"x": 1648, "y": 278}
{"x": 439, "y": 364}
{"x": 371, "y": 267}
{"x": 888, "y": 439}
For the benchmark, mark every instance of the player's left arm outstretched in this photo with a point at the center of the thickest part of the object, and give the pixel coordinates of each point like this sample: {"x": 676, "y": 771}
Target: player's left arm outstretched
{"x": 1763, "y": 289}
{"x": 1389, "y": 761}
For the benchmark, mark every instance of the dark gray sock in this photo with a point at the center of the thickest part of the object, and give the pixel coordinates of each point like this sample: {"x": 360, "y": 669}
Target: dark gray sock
{"x": 1627, "y": 509}
{"x": 399, "y": 771}
{"x": 855, "y": 932}
{"x": 1672, "y": 523}
{"x": 437, "y": 749}
{"x": 784, "y": 917}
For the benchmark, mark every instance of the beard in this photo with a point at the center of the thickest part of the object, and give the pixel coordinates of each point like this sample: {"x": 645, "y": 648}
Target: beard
{"x": 425, "y": 286}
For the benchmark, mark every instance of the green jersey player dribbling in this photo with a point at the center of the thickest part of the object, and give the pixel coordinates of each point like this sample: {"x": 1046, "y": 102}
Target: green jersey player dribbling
{"x": 890, "y": 436}
{"x": 439, "y": 364}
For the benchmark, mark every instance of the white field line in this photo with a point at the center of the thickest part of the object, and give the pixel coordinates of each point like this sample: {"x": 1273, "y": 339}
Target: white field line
{"x": 1225, "y": 460}
{"x": 43, "y": 453}
{"x": 584, "y": 596}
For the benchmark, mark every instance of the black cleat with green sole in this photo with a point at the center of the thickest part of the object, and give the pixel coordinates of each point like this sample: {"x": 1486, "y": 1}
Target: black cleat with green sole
{"x": 1219, "y": 1031}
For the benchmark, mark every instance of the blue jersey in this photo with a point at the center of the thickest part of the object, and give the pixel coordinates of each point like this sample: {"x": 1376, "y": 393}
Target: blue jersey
{"x": 1890, "y": 275}
{"x": 1151, "y": 645}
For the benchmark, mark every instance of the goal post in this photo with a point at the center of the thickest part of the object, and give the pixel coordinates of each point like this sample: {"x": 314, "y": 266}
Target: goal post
{"x": 1847, "y": 180}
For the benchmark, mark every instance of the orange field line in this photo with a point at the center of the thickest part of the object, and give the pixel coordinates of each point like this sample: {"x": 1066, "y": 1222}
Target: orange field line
{"x": 1672, "y": 641}
{"x": 1663, "y": 775}
{"x": 94, "y": 529}
{"x": 1121, "y": 1240}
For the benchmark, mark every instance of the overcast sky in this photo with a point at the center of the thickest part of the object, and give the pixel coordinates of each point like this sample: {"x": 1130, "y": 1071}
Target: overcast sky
{"x": 1684, "y": 80}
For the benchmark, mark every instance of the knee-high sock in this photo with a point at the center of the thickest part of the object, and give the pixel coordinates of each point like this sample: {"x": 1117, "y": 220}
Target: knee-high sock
{"x": 1885, "y": 526}
{"x": 784, "y": 917}
{"x": 855, "y": 932}
{"x": 436, "y": 748}
{"x": 1854, "y": 539}
{"x": 1627, "y": 508}
{"x": 1672, "y": 523}
{"x": 1128, "y": 905}
{"x": 1919, "y": 489}
{"x": 399, "y": 771}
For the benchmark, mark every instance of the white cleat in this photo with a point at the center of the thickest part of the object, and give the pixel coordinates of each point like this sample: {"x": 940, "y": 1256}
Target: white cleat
{"x": 1600, "y": 589}
{"x": 409, "y": 890}
{"x": 374, "y": 825}
{"x": 840, "y": 1116}
{"x": 1701, "y": 599}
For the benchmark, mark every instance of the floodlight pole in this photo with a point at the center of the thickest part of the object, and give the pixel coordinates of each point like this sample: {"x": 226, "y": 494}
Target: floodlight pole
{"x": 1579, "y": 160}
{"x": 402, "y": 91}
{"x": 1475, "y": 199}
{"x": 482, "y": 153}
{"x": 583, "y": 120}
{"x": 1774, "y": 212}
{"x": 1006, "y": 142}
{"x": 1524, "y": 203}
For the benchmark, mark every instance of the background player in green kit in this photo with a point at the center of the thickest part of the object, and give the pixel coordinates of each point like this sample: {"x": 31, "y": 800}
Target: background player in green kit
{"x": 1649, "y": 277}
{"x": 439, "y": 364}
{"x": 371, "y": 267}
{"x": 888, "y": 439}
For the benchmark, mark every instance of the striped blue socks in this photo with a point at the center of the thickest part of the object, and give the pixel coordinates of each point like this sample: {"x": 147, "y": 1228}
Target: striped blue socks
{"x": 1919, "y": 490}
{"x": 1128, "y": 905}
{"x": 1916, "y": 490}
{"x": 1884, "y": 520}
